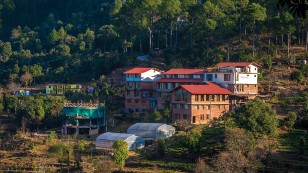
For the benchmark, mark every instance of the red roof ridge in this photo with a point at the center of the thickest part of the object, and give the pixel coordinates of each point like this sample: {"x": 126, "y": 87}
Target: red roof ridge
{"x": 226, "y": 64}
{"x": 207, "y": 88}
{"x": 185, "y": 71}
{"x": 138, "y": 70}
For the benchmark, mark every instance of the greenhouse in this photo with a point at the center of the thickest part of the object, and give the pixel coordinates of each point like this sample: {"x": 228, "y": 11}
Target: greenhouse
{"x": 106, "y": 140}
{"x": 151, "y": 130}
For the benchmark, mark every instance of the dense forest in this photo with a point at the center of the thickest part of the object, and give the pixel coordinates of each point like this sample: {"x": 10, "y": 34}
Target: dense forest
{"x": 78, "y": 41}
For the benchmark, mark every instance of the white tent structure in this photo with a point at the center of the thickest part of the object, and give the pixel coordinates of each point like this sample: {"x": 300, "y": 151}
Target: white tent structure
{"x": 106, "y": 140}
{"x": 152, "y": 130}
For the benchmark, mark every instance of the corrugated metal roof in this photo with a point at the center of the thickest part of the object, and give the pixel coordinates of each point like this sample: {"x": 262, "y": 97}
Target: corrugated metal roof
{"x": 113, "y": 136}
{"x": 208, "y": 88}
{"x": 146, "y": 126}
{"x": 137, "y": 70}
{"x": 184, "y": 71}
{"x": 180, "y": 80}
{"x": 236, "y": 64}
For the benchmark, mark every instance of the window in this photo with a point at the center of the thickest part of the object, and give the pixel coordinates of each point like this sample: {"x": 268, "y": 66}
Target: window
{"x": 227, "y": 77}
{"x": 129, "y": 100}
{"x": 209, "y": 77}
{"x": 169, "y": 86}
{"x": 248, "y": 75}
{"x": 207, "y": 107}
{"x": 181, "y": 76}
{"x": 136, "y": 93}
{"x": 136, "y": 100}
{"x": 138, "y": 76}
{"x": 128, "y": 93}
{"x": 218, "y": 106}
{"x": 184, "y": 116}
{"x": 181, "y": 106}
{"x": 223, "y": 97}
{"x": 202, "y": 117}
{"x": 177, "y": 97}
{"x": 174, "y": 106}
{"x": 143, "y": 101}
{"x": 185, "y": 97}
{"x": 255, "y": 85}
{"x": 143, "y": 110}
{"x": 136, "y": 110}
{"x": 218, "y": 98}
{"x": 255, "y": 75}
{"x": 255, "y": 68}
{"x": 196, "y": 107}
{"x": 196, "y": 97}
{"x": 161, "y": 86}
{"x": 137, "y": 84}
{"x": 202, "y": 107}
{"x": 178, "y": 106}
{"x": 130, "y": 84}
{"x": 202, "y": 97}
{"x": 216, "y": 76}
{"x": 207, "y": 97}
{"x": 207, "y": 116}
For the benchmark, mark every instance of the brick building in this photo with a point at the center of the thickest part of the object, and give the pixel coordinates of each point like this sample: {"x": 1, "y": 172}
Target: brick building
{"x": 198, "y": 104}
{"x": 172, "y": 79}
{"x": 241, "y": 78}
{"x": 209, "y": 92}
{"x": 139, "y": 83}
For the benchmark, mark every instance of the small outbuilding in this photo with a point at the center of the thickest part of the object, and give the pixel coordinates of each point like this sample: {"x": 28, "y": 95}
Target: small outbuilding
{"x": 106, "y": 140}
{"x": 152, "y": 130}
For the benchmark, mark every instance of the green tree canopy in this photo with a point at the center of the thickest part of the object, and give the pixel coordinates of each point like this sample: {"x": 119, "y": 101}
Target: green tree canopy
{"x": 257, "y": 117}
{"x": 120, "y": 153}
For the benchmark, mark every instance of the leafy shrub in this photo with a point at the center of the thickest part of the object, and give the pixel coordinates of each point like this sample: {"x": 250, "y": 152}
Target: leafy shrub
{"x": 297, "y": 75}
{"x": 52, "y": 136}
{"x": 81, "y": 146}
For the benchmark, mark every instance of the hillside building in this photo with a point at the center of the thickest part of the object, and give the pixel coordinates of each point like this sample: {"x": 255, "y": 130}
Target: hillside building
{"x": 61, "y": 89}
{"x": 198, "y": 104}
{"x": 172, "y": 79}
{"x": 204, "y": 93}
{"x": 139, "y": 84}
{"x": 83, "y": 118}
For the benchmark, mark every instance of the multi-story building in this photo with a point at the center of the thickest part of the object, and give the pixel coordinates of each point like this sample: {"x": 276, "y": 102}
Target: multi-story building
{"x": 60, "y": 89}
{"x": 238, "y": 77}
{"x": 84, "y": 118}
{"x": 139, "y": 84}
{"x": 198, "y": 104}
{"x": 220, "y": 89}
{"x": 172, "y": 79}
{"x": 241, "y": 78}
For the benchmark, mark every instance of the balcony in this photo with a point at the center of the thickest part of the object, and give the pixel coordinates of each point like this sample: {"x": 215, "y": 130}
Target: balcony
{"x": 133, "y": 79}
{"x": 244, "y": 93}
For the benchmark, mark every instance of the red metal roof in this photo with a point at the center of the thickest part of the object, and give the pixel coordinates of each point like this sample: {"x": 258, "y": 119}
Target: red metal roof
{"x": 208, "y": 88}
{"x": 184, "y": 71}
{"x": 180, "y": 80}
{"x": 236, "y": 64}
{"x": 137, "y": 70}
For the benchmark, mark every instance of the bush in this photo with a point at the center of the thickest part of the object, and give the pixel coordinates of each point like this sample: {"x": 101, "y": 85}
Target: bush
{"x": 104, "y": 166}
{"x": 81, "y": 146}
{"x": 31, "y": 145}
{"x": 52, "y": 136}
{"x": 297, "y": 75}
